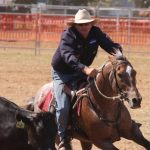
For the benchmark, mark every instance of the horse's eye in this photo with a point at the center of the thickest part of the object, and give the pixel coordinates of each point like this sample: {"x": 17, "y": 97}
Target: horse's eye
{"x": 120, "y": 75}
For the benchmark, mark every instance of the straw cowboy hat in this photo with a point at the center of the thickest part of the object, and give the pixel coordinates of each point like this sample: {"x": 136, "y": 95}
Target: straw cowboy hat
{"x": 82, "y": 16}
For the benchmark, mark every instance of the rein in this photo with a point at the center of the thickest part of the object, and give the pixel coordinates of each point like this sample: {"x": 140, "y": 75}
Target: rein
{"x": 122, "y": 95}
{"x": 104, "y": 96}
{"x": 83, "y": 92}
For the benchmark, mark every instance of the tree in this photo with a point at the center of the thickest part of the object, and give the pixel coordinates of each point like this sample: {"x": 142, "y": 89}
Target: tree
{"x": 82, "y": 2}
{"x": 142, "y": 3}
{"x": 125, "y": 3}
{"x": 100, "y": 3}
{"x": 73, "y": 2}
{"x": 25, "y": 1}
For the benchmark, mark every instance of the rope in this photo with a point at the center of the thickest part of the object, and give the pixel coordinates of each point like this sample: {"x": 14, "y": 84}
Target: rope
{"x": 106, "y": 97}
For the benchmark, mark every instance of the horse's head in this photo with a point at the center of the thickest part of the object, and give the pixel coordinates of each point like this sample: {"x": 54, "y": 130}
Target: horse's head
{"x": 123, "y": 79}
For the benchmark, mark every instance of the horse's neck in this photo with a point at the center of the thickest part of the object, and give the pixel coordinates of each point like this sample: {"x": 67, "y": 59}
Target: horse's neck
{"x": 104, "y": 84}
{"x": 106, "y": 108}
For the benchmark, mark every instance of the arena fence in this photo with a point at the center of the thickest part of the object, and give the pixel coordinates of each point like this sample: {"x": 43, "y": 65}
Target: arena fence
{"x": 42, "y": 29}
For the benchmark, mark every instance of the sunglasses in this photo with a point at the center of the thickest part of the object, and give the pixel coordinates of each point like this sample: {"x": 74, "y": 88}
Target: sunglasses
{"x": 83, "y": 24}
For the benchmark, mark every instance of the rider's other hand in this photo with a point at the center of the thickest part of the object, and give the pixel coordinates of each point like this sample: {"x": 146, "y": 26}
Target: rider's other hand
{"x": 90, "y": 71}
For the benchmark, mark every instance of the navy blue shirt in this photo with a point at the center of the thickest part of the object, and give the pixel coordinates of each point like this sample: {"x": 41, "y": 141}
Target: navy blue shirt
{"x": 74, "y": 52}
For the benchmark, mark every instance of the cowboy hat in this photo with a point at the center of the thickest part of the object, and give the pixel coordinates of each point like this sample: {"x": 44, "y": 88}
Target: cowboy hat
{"x": 82, "y": 16}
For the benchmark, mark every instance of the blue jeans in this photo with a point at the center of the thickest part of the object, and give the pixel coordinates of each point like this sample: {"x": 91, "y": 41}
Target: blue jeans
{"x": 62, "y": 99}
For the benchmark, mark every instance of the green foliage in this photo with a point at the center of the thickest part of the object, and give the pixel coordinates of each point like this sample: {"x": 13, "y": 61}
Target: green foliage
{"x": 101, "y": 3}
{"x": 73, "y": 2}
{"x": 82, "y": 2}
{"x": 25, "y": 1}
{"x": 142, "y": 3}
{"x": 116, "y": 3}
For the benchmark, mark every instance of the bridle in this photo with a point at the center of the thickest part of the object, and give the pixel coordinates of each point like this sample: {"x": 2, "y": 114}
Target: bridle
{"x": 122, "y": 95}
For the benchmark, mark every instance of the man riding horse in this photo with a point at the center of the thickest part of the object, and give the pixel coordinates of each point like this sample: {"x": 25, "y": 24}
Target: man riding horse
{"x": 76, "y": 51}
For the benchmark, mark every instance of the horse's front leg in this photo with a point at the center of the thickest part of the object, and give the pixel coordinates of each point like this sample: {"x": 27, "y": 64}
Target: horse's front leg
{"x": 86, "y": 145}
{"x": 136, "y": 135}
{"x": 105, "y": 145}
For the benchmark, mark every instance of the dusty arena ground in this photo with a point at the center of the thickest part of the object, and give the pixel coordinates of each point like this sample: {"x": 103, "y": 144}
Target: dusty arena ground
{"x": 22, "y": 74}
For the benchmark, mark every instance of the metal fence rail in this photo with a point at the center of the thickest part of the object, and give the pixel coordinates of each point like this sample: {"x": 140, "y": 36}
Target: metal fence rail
{"x": 42, "y": 27}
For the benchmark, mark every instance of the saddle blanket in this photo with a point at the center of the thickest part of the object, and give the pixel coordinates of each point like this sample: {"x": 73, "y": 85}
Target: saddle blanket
{"x": 45, "y": 104}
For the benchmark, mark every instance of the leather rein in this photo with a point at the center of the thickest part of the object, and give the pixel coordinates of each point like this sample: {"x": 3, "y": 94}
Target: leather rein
{"x": 121, "y": 94}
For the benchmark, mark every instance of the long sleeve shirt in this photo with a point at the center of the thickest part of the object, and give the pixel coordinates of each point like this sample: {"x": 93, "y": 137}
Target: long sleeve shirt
{"x": 74, "y": 52}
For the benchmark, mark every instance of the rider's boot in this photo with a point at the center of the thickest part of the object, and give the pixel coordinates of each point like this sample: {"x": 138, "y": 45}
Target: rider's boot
{"x": 65, "y": 144}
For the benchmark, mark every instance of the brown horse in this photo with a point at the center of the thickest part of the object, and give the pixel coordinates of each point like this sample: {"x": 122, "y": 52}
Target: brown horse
{"x": 102, "y": 117}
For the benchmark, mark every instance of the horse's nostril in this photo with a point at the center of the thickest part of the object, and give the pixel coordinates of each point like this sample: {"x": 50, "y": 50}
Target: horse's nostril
{"x": 135, "y": 101}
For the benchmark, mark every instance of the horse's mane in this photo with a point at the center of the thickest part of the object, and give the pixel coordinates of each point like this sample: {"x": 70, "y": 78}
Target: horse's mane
{"x": 119, "y": 56}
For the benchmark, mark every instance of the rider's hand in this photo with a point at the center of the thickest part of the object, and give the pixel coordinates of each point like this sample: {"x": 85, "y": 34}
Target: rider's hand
{"x": 90, "y": 71}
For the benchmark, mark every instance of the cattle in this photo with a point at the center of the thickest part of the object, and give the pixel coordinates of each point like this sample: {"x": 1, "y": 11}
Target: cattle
{"x": 22, "y": 129}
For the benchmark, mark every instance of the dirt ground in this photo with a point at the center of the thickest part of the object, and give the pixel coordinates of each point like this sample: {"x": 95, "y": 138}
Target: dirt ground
{"x": 22, "y": 74}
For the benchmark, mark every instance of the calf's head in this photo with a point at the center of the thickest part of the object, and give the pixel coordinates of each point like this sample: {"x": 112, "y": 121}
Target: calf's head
{"x": 41, "y": 129}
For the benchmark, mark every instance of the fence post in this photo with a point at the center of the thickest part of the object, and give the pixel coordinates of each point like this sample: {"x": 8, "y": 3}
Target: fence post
{"x": 38, "y": 31}
{"x": 129, "y": 29}
{"x": 117, "y": 25}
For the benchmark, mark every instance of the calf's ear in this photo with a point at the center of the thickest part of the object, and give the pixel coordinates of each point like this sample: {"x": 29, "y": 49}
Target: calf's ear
{"x": 21, "y": 118}
{"x": 25, "y": 118}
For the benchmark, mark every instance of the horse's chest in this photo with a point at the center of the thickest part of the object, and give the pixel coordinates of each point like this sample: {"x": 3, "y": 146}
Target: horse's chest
{"x": 115, "y": 136}
{"x": 102, "y": 130}
{"x": 110, "y": 132}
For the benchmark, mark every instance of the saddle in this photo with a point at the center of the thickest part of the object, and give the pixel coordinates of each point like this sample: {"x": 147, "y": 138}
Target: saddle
{"x": 48, "y": 102}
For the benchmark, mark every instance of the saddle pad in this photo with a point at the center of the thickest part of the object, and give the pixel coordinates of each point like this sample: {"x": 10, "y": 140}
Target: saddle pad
{"x": 46, "y": 101}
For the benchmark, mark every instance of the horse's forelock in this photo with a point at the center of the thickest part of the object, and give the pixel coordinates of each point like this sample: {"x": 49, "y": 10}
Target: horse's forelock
{"x": 119, "y": 55}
